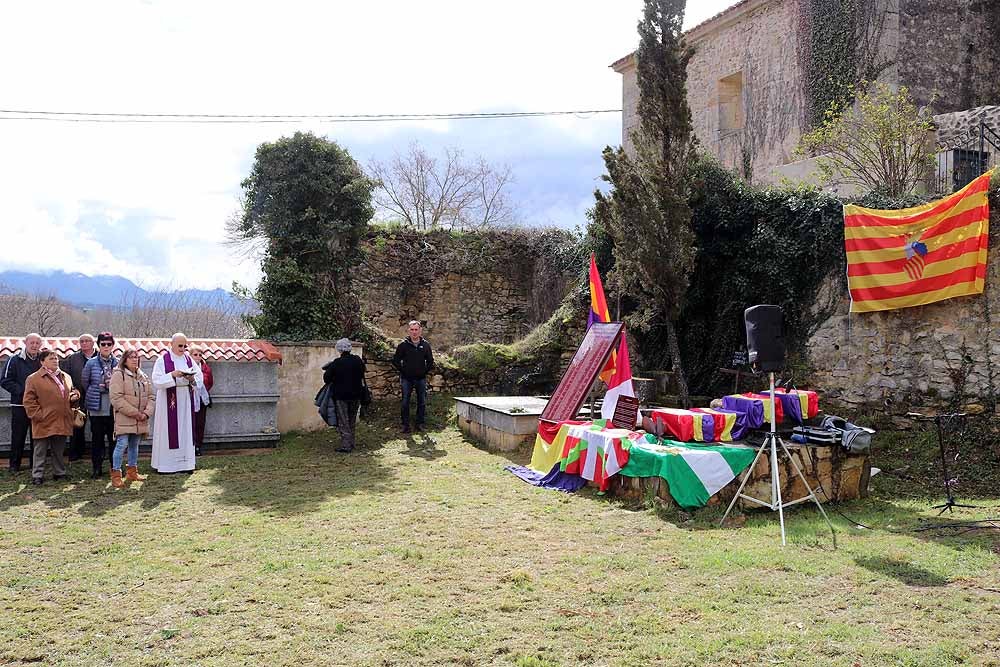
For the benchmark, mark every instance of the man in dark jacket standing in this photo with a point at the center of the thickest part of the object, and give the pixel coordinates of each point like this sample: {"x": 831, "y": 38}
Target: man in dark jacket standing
{"x": 346, "y": 377}
{"x": 73, "y": 365}
{"x": 15, "y": 375}
{"x": 414, "y": 360}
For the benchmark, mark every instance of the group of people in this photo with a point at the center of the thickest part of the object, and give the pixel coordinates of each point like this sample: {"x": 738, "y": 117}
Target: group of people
{"x": 51, "y": 401}
{"x": 344, "y": 379}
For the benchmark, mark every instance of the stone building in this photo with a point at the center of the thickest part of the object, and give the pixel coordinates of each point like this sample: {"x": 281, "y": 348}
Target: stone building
{"x": 748, "y": 82}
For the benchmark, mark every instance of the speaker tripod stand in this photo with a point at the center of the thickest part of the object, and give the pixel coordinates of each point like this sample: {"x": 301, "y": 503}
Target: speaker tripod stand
{"x": 771, "y": 445}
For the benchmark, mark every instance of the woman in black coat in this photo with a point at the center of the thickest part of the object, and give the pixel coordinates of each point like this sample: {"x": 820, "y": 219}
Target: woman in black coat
{"x": 346, "y": 375}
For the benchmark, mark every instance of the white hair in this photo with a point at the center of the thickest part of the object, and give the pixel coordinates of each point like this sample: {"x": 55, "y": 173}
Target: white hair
{"x": 412, "y": 322}
{"x": 85, "y": 336}
{"x": 343, "y": 345}
{"x": 178, "y": 335}
{"x": 32, "y": 335}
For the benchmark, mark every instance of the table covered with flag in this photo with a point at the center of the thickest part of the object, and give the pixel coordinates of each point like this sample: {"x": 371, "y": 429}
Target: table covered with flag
{"x": 694, "y": 473}
{"x": 589, "y": 451}
{"x": 571, "y": 453}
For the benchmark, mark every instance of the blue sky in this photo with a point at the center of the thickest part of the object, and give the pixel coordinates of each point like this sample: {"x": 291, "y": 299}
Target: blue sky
{"x": 149, "y": 201}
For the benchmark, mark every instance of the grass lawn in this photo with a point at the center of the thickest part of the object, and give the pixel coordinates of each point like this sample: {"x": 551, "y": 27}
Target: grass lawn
{"x": 423, "y": 551}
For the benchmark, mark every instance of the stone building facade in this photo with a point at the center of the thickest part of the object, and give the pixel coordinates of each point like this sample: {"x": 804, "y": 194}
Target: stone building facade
{"x": 745, "y": 82}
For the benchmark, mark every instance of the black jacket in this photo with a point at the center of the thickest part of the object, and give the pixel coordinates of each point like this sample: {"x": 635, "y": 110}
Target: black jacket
{"x": 15, "y": 375}
{"x": 346, "y": 375}
{"x": 73, "y": 364}
{"x": 413, "y": 361}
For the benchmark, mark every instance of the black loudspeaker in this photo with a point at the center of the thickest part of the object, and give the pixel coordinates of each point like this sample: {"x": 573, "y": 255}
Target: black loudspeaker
{"x": 765, "y": 337}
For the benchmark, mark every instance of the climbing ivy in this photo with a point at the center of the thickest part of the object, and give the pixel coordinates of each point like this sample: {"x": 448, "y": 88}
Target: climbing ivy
{"x": 839, "y": 46}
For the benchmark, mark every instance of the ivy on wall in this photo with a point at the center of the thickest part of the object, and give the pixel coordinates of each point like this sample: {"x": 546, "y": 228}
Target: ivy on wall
{"x": 757, "y": 245}
{"x": 839, "y": 46}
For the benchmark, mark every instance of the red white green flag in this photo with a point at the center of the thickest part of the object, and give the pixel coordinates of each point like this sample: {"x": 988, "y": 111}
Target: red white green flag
{"x": 620, "y": 382}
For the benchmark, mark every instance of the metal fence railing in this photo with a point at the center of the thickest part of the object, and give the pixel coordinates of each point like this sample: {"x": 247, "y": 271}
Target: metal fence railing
{"x": 969, "y": 156}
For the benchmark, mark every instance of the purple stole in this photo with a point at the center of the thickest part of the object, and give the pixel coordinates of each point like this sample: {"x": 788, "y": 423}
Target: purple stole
{"x": 172, "y": 436}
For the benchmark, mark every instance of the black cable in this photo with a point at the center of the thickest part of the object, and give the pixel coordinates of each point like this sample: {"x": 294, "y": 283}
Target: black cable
{"x": 116, "y": 117}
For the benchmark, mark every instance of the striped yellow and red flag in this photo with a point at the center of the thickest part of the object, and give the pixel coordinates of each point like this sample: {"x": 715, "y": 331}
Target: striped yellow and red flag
{"x": 919, "y": 255}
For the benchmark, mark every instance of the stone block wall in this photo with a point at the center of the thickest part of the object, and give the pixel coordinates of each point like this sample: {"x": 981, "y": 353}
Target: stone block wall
{"x": 955, "y": 128}
{"x": 832, "y": 472}
{"x": 947, "y": 52}
{"x": 463, "y": 288}
{"x": 740, "y": 41}
{"x": 743, "y": 42}
{"x": 947, "y": 55}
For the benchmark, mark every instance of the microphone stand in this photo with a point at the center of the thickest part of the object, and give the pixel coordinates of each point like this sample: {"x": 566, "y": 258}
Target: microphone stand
{"x": 948, "y": 481}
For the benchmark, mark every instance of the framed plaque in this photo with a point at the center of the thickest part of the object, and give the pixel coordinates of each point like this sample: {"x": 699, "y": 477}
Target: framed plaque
{"x": 626, "y": 412}
{"x": 588, "y": 362}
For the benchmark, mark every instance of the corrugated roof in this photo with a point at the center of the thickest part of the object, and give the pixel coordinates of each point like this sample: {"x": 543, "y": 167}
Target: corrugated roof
{"x": 149, "y": 348}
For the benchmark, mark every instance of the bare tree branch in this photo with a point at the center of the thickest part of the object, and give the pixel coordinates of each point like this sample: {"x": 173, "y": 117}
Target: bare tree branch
{"x": 423, "y": 192}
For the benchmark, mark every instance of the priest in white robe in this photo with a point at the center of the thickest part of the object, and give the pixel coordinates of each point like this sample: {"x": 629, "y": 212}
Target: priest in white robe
{"x": 175, "y": 377}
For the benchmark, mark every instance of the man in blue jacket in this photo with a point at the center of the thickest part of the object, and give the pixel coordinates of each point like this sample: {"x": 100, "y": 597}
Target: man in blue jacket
{"x": 15, "y": 375}
{"x": 414, "y": 360}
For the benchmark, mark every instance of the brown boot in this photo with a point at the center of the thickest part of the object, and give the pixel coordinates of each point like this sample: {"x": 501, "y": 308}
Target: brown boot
{"x": 132, "y": 474}
{"x": 116, "y": 479}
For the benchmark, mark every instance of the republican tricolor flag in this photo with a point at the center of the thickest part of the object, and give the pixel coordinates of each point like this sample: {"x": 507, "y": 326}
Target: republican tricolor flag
{"x": 919, "y": 255}
{"x": 598, "y": 304}
{"x": 599, "y": 313}
{"x": 617, "y": 373}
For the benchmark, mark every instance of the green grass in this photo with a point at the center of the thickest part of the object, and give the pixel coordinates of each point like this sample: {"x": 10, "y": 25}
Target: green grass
{"x": 423, "y": 551}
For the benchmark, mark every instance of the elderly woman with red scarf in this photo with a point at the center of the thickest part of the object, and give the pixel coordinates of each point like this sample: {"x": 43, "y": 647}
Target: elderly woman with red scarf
{"x": 202, "y": 397}
{"x": 48, "y": 399}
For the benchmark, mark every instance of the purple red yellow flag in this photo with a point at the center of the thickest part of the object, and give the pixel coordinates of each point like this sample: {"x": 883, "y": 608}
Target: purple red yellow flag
{"x": 598, "y": 304}
{"x": 915, "y": 256}
{"x": 599, "y": 313}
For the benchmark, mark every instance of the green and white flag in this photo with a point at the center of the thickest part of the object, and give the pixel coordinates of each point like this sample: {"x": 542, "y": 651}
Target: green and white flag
{"x": 694, "y": 472}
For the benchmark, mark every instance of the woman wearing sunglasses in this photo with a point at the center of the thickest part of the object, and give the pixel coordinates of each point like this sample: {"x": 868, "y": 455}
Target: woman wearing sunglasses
{"x": 97, "y": 400}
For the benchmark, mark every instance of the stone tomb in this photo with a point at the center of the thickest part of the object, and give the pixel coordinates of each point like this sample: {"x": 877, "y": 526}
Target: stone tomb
{"x": 503, "y": 423}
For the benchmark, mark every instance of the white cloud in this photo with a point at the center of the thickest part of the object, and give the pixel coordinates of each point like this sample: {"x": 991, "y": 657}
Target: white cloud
{"x": 76, "y": 185}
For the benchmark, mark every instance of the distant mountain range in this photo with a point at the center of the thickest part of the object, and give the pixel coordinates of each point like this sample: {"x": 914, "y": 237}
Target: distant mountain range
{"x": 114, "y": 291}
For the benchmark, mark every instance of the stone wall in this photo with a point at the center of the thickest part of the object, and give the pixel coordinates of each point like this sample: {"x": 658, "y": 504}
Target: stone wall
{"x": 742, "y": 45}
{"x": 464, "y": 288}
{"x": 954, "y": 129}
{"x": 946, "y": 55}
{"x": 833, "y": 473}
{"x": 300, "y": 375}
{"x": 940, "y": 354}
{"x": 737, "y": 51}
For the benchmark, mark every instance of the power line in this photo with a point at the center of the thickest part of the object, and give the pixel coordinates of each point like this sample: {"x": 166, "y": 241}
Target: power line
{"x": 106, "y": 117}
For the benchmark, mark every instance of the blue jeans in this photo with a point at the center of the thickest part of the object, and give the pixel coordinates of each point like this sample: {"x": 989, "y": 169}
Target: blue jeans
{"x": 131, "y": 440}
{"x": 421, "y": 387}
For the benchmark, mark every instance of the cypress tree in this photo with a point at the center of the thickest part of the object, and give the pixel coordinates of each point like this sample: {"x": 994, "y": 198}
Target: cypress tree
{"x": 646, "y": 211}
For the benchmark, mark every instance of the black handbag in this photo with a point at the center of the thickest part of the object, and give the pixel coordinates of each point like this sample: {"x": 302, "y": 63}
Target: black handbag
{"x": 366, "y": 393}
